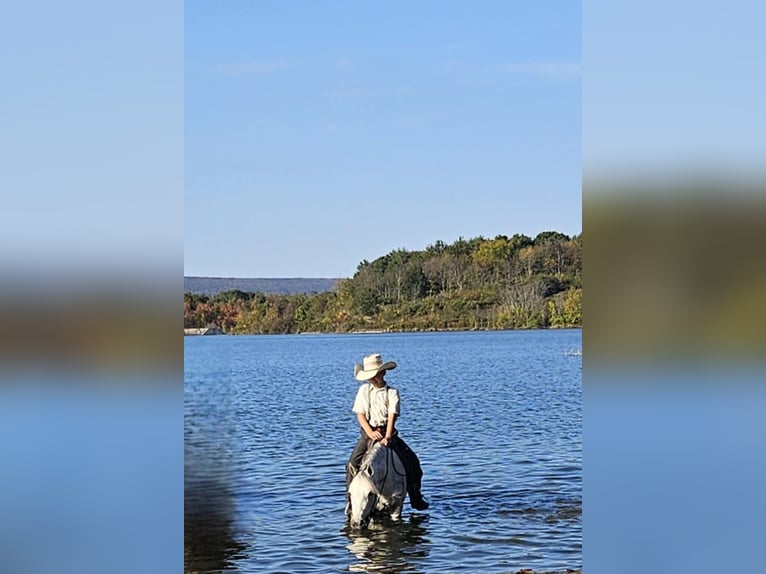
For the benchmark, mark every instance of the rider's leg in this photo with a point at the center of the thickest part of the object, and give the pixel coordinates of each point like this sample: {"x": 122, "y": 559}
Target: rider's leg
{"x": 414, "y": 473}
{"x": 356, "y": 458}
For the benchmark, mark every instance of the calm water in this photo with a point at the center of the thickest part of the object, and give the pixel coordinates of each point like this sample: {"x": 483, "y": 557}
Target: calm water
{"x": 494, "y": 416}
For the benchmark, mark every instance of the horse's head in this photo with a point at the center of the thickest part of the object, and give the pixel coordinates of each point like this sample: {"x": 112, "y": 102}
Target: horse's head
{"x": 363, "y": 496}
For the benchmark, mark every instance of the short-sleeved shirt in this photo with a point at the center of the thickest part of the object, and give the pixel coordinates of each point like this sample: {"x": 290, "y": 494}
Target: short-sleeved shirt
{"x": 376, "y": 403}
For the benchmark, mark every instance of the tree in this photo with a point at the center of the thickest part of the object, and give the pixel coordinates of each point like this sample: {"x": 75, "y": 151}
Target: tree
{"x": 414, "y": 283}
{"x": 573, "y": 308}
{"x": 519, "y": 240}
{"x": 492, "y": 252}
{"x": 503, "y": 282}
{"x": 547, "y": 236}
{"x": 528, "y": 261}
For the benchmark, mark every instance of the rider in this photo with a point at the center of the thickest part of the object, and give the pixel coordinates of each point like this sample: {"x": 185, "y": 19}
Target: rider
{"x": 377, "y": 408}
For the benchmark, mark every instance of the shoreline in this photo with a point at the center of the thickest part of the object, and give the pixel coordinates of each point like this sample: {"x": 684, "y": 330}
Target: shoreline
{"x": 197, "y": 332}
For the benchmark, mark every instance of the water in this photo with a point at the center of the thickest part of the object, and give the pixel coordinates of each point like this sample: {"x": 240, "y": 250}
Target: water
{"x": 495, "y": 418}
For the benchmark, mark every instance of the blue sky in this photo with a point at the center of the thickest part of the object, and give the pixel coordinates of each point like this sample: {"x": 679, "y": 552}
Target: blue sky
{"x": 671, "y": 89}
{"x": 319, "y": 134}
{"x": 91, "y": 136}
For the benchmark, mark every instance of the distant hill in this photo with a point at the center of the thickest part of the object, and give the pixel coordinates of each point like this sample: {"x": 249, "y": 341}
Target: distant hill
{"x": 290, "y": 286}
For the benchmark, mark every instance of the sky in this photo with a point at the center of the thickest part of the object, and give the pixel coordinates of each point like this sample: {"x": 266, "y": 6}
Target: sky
{"x": 321, "y": 134}
{"x": 668, "y": 88}
{"x": 91, "y": 136}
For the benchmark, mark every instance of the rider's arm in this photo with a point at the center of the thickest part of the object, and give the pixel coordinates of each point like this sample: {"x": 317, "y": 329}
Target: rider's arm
{"x": 393, "y": 414}
{"x": 368, "y": 430}
{"x": 391, "y": 426}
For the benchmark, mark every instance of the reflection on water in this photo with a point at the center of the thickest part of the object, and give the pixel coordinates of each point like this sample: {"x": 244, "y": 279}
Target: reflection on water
{"x": 209, "y": 544}
{"x": 210, "y": 433}
{"x": 388, "y": 546}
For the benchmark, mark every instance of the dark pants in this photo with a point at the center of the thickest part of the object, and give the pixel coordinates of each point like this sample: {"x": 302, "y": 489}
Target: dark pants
{"x": 404, "y": 452}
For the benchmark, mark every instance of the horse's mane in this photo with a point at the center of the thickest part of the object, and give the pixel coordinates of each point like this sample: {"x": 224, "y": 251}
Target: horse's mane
{"x": 370, "y": 455}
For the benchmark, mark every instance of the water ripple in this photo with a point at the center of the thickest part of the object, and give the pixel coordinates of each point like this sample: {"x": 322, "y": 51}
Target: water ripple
{"x": 496, "y": 423}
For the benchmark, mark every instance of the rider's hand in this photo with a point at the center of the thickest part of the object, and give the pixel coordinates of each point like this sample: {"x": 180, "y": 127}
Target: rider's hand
{"x": 384, "y": 441}
{"x": 376, "y": 435}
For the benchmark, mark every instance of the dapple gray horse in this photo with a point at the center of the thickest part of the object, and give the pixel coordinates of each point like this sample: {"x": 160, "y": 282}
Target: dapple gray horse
{"x": 379, "y": 485}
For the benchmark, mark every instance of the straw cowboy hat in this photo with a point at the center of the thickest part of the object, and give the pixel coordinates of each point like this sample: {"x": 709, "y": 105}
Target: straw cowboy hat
{"x": 371, "y": 366}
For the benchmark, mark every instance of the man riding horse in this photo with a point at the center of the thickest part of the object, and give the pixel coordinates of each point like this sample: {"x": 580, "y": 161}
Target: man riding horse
{"x": 377, "y": 408}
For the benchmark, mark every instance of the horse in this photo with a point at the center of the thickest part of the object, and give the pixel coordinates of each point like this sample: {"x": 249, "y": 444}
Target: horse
{"x": 379, "y": 485}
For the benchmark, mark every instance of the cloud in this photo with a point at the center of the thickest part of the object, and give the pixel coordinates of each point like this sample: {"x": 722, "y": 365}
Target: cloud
{"x": 544, "y": 69}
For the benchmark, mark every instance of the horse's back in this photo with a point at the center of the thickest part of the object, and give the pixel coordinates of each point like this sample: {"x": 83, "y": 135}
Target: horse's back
{"x": 381, "y": 473}
{"x": 388, "y": 472}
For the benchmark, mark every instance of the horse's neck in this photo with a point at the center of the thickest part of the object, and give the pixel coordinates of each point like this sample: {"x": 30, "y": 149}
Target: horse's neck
{"x": 372, "y": 453}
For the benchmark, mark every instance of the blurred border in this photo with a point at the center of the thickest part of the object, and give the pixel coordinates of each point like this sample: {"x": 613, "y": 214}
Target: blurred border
{"x": 91, "y": 271}
{"x": 674, "y": 286}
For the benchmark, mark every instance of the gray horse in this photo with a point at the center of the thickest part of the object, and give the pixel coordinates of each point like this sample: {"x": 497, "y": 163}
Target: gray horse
{"x": 380, "y": 485}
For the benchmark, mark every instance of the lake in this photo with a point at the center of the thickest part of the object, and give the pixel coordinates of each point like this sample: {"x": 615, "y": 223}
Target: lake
{"x": 495, "y": 417}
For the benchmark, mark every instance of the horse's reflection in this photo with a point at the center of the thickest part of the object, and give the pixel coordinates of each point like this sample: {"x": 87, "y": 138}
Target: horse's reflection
{"x": 388, "y": 546}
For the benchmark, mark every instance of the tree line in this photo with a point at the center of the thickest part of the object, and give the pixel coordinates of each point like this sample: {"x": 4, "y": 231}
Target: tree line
{"x": 515, "y": 282}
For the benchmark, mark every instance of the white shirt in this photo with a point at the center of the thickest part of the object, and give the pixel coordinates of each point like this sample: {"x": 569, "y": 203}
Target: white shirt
{"x": 376, "y": 403}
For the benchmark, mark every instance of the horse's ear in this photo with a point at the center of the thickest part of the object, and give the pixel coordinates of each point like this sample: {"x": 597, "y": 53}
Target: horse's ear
{"x": 369, "y": 471}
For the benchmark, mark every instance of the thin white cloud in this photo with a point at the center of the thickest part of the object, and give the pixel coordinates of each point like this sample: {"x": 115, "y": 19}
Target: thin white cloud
{"x": 544, "y": 69}
{"x": 252, "y": 68}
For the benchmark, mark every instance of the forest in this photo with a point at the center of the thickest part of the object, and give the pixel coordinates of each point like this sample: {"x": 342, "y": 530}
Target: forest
{"x": 515, "y": 282}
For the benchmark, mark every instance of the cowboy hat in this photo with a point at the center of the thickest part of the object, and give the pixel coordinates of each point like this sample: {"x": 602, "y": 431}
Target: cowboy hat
{"x": 371, "y": 366}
